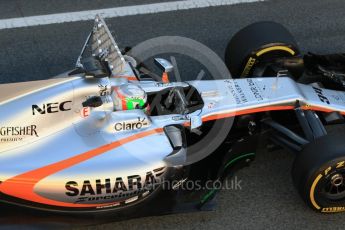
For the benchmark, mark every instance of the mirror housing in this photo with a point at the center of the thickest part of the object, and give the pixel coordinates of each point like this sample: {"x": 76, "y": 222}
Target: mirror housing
{"x": 93, "y": 102}
{"x": 164, "y": 64}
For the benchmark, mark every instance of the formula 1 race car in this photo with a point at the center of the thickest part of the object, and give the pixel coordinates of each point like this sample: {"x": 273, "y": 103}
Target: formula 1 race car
{"x": 106, "y": 139}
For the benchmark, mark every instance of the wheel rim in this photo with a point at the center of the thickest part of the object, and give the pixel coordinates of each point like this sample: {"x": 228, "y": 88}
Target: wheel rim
{"x": 335, "y": 186}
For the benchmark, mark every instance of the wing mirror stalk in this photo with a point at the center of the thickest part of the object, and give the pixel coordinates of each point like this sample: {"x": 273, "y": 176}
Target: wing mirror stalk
{"x": 166, "y": 66}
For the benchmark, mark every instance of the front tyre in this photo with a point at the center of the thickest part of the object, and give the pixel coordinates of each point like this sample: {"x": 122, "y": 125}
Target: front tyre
{"x": 256, "y": 44}
{"x": 319, "y": 174}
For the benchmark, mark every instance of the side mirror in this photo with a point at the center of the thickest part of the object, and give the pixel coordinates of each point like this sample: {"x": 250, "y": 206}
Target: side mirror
{"x": 94, "y": 101}
{"x": 164, "y": 64}
{"x": 195, "y": 122}
{"x": 94, "y": 67}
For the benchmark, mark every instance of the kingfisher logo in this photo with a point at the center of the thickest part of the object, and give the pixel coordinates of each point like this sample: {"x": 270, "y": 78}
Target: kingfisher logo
{"x": 103, "y": 90}
{"x": 17, "y": 133}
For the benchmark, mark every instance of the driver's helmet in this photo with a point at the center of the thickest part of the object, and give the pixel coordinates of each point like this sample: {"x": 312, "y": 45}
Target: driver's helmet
{"x": 128, "y": 97}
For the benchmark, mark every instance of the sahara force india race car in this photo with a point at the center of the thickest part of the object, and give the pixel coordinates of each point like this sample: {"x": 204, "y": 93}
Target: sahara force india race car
{"x": 106, "y": 138}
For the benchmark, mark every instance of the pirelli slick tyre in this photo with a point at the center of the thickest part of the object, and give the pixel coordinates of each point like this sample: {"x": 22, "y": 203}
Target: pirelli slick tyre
{"x": 256, "y": 43}
{"x": 319, "y": 174}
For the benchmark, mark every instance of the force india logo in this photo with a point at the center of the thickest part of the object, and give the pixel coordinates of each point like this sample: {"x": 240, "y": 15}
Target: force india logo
{"x": 17, "y": 133}
{"x": 90, "y": 189}
{"x": 139, "y": 123}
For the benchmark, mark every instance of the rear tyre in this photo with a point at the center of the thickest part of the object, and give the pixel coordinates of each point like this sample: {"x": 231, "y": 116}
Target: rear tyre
{"x": 257, "y": 43}
{"x": 319, "y": 174}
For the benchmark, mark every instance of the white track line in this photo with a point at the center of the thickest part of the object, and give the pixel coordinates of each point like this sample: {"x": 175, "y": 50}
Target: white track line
{"x": 115, "y": 12}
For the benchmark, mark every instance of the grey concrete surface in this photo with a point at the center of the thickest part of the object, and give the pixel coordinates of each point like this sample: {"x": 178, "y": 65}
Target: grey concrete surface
{"x": 24, "y": 8}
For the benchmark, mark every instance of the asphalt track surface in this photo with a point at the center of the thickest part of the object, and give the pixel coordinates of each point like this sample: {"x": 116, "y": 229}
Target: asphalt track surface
{"x": 267, "y": 199}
